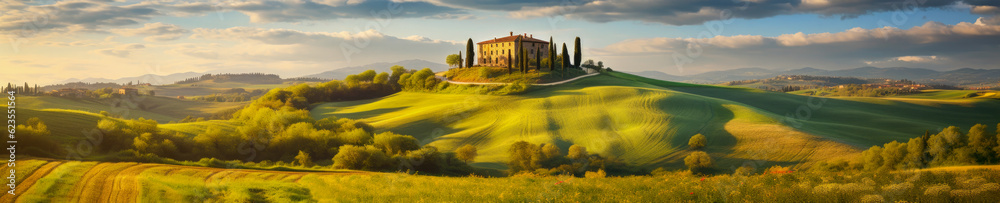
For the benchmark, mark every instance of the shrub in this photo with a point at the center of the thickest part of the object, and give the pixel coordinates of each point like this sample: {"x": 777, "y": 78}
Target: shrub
{"x": 303, "y": 159}
{"x": 393, "y": 143}
{"x": 361, "y": 158}
{"x": 467, "y": 153}
{"x": 697, "y": 141}
{"x": 698, "y": 161}
{"x": 599, "y": 174}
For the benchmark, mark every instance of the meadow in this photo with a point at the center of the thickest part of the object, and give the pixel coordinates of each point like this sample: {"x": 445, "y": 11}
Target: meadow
{"x": 72, "y": 181}
{"x": 647, "y": 122}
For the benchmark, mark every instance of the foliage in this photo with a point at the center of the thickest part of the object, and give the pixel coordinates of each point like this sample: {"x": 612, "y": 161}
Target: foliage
{"x": 577, "y": 56}
{"x": 361, "y": 158}
{"x": 303, "y": 159}
{"x": 698, "y": 161}
{"x": 697, "y": 141}
{"x": 466, "y": 153}
{"x": 947, "y": 148}
{"x": 453, "y": 60}
{"x": 470, "y": 54}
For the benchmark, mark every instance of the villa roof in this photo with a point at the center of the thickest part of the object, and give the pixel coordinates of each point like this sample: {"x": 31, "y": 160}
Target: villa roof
{"x": 513, "y": 38}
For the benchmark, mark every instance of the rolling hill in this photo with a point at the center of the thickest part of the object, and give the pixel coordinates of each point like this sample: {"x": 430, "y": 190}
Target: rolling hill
{"x": 647, "y": 122}
{"x": 341, "y": 73}
{"x": 959, "y": 77}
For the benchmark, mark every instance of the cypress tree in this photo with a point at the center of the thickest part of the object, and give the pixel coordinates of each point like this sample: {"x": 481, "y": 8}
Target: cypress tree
{"x": 460, "y": 62}
{"x": 577, "y": 56}
{"x": 470, "y": 54}
{"x": 509, "y": 69}
{"x": 565, "y": 55}
{"x": 552, "y": 55}
{"x": 538, "y": 60}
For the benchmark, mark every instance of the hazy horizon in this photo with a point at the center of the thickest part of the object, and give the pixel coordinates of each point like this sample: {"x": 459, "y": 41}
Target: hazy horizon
{"x": 51, "y": 41}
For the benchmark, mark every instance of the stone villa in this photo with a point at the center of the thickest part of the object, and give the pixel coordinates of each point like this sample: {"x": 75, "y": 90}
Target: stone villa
{"x": 494, "y": 52}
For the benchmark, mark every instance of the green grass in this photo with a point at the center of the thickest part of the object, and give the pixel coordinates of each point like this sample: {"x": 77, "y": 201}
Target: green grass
{"x": 130, "y": 182}
{"x": 500, "y": 75}
{"x": 161, "y": 109}
{"x": 208, "y": 87}
{"x": 647, "y": 122}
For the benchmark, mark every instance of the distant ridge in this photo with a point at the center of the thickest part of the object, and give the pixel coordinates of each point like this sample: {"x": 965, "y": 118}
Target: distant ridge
{"x": 959, "y": 77}
{"x": 147, "y": 78}
{"x": 341, "y": 73}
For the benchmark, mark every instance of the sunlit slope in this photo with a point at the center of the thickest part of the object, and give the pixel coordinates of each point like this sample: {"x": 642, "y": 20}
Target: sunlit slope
{"x": 161, "y": 109}
{"x": 648, "y": 122}
{"x": 74, "y": 181}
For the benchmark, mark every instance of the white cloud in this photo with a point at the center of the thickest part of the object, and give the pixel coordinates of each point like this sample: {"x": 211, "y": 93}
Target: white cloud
{"x": 154, "y": 32}
{"x": 928, "y": 46}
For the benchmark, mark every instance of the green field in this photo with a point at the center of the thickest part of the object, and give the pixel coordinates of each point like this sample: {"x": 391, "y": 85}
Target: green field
{"x": 161, "y": 109}
{"x": 208, "y": 87}
{"x": 647, "y": 122}
{"x": 73, "y": 181}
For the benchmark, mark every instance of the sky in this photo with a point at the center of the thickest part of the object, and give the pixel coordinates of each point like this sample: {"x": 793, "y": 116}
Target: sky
{"x": 52, "y": 41}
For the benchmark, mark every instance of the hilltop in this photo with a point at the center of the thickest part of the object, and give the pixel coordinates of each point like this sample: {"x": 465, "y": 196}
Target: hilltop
{"x": 647, "y": 122}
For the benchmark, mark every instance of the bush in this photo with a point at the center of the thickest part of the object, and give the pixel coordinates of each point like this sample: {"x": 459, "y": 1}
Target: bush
{"x": 303, "y": 159}
{"x": 394, "y": 144}
{"x": 697, "y": 141}
{"x": 698, "y": 161}
{"x": 361, "y": 158}
{"x": 467, "y": 153}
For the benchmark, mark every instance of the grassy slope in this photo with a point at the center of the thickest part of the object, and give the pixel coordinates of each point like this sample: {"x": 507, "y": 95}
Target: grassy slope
{"x": 161, "y": 109}
{"x": 648, "y": 122}
{"x": 211, "y": 87}
{"x": 71, "y": 181}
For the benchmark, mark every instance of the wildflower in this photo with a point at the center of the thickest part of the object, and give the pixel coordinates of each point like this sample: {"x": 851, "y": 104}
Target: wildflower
{"x": 703, "y": 179}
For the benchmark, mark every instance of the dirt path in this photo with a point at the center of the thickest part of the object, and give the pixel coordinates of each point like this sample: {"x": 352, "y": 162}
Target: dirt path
{"x": 26, "y": 184}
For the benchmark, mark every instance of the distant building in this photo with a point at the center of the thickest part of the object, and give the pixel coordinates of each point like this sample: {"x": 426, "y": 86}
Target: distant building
{"x": 69, "y": 92}
{"x": 128, "y": 91}
{"x": 494, "y": 52}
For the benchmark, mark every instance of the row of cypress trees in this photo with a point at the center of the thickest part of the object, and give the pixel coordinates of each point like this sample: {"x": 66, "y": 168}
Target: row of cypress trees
{"x": 522, "y": 61}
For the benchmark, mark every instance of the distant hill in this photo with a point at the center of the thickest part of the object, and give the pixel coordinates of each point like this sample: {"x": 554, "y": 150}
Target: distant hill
{"x": 959, "y": 77}
{"x": 248, "y": 78}
{"x": 341, "y": 73}
{"x": 147, "y": 78}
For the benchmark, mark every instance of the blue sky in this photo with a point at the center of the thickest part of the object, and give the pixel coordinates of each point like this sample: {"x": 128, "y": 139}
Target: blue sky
{"x": 99, "y": 39}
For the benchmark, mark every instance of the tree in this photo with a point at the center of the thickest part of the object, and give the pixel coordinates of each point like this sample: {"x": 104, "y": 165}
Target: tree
{"x": 997, "y": 146}
{"x": 697, "y": 141}
{"x": 552, "y": 54}
{"x": 981, "y": 143}
{"x": 698, "y": 161}
{"x": 565, "y": 56}
{"x": 360, "y": 157}
{"x": 460, "y": 61}
{"x": 524, "y": 156}
{"x": 915, "y": 152}
{"x": 381, "y": 78}
{"x": 304, "y": 159}
{"x": 538, "y": 60}
{"x": 394, "y": 144}
{"x": 551, "y": 151}
{"x": 577, "y": 152}
{"x": 509, "y": 69}
{"x": 517, "y": 48}
{"x": 453, "y": 60}
{"x": 577, "y": 56}
{"x": 397, "y": 71}
{"x": 470, "y": 54}
{"x": 466, "y": 153}
{"x": 892, "y": 155}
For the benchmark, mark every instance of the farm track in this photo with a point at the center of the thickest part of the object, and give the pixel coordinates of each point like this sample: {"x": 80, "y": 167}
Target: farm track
{"x": 31, "y": 180}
